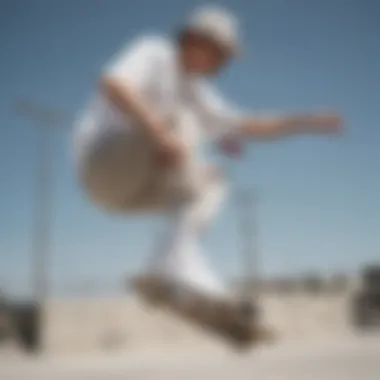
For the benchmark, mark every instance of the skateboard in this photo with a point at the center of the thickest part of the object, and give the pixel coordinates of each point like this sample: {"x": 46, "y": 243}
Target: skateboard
{"x": 236, "y": 322}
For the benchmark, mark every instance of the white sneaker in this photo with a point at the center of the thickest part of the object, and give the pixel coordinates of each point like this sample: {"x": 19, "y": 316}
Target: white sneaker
{"x": 193, "y": 271}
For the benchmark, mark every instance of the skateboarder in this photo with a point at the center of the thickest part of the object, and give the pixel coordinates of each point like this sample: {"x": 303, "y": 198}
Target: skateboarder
{"x": 139, "y": 143}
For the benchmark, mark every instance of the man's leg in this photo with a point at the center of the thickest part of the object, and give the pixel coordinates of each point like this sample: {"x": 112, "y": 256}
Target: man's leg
{"x": 181, "y": 257}
{"x": 180, "y": 280}
{"x": 115, "y": 168}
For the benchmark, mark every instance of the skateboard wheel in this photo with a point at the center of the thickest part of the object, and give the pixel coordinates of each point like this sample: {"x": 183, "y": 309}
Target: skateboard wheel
{"x": 241, "y": 335}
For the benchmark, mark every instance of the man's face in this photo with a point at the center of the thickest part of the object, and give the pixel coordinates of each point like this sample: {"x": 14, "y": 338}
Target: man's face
{"x": 201, "y": 56}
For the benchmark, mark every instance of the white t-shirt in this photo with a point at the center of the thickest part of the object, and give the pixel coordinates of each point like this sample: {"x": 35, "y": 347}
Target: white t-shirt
{"x": 150, "y": 65}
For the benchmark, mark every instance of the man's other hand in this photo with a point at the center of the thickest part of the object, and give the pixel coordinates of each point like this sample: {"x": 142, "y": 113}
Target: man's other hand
{"x": 326, "y": 123}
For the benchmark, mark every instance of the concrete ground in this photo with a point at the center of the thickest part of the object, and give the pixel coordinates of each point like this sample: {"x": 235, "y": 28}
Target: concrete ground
{"x": 343, "y": 358}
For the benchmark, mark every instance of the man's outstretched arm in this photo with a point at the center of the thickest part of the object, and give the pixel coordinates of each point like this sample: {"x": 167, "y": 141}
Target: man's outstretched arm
{"x": 223, "y": 118}
{"x": 269, "y": 128}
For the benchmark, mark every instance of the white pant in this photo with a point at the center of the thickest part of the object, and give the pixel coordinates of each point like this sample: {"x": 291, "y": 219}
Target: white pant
{"x": 119, "y": 174}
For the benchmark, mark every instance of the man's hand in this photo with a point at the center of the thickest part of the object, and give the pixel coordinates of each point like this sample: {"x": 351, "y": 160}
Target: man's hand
{"x": 324, "y": 123}
{"x": 231, "y": 147}
{"x": 169, "y": 151}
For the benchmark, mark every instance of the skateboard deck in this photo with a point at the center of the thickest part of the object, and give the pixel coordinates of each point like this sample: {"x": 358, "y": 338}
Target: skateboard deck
{"x": 233, "y": 321}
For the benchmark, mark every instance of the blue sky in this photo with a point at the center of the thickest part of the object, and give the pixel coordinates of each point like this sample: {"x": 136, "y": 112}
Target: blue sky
{"x": 319, "y": 197}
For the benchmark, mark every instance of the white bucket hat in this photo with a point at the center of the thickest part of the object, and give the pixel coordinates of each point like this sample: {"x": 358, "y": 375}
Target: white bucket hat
{"x": 217, "y": 24}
